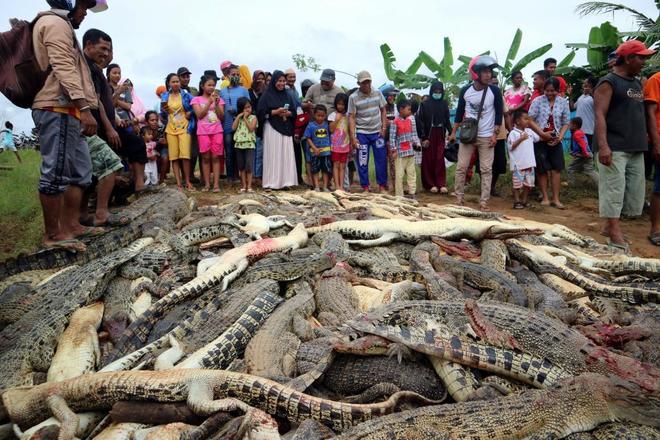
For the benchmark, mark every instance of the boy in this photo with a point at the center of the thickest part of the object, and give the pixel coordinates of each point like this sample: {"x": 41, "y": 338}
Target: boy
{"x": 8, "y": 140}
{"x": 403, "y": 141}
{"x": 581, "y": 152}
{"x": 520, "y": 143}
{"x": 317, "y": 135}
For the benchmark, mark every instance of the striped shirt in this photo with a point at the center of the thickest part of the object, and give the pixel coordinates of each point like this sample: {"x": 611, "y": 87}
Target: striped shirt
{"x": 366, "y": 109}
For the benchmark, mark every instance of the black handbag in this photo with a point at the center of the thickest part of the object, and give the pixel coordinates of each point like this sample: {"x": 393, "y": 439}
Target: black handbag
{"x": 451, "y": 152}
{"x": 470, "y": 126}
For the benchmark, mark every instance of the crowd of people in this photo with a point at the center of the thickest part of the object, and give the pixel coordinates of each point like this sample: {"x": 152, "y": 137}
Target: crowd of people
{"x": 257, "y": 129}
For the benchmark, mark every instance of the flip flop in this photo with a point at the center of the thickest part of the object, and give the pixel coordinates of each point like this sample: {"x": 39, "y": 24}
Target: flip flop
{"x": 655, "y": 238}
{"x": 70, "y": 245}
{"x": 558, "y": 205}
{"x": 91, "y": 231}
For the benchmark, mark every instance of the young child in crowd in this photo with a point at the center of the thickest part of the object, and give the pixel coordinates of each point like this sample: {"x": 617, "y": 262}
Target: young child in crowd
{"x": 300, "y": 124}
{"x": 340, "y": 142}
{"x": 403, "y": 141}
{"x": 151, "y": 167}
{"x": 245, "y": 140}
{"x": 521, "y": 154}
{"x": 210, "y": 110}
{"x": 581, "y": 152}
{"x": 317, "y": 135}
{"x": 8, "y": 140}
{"x": 153, "y": 122}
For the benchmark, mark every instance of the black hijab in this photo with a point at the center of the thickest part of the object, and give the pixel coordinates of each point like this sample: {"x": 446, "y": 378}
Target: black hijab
{"x": 273, "y": 99}
{"x": 435, "y": 106}
{"x": 434, "y": 112}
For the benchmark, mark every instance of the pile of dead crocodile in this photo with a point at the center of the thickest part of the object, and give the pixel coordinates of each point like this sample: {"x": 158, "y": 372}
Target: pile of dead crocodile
{"x": 320, "y": 315}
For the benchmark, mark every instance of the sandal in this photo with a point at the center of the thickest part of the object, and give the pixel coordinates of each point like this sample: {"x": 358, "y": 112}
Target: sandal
{"x": 250, "y": 190}
{"x": 618, "y": 247}
{"x": 91, "y": 231}
{"x": 484, "y": 208}
{"x": 654, "y": 238}
{"x": 206, "y": 189}
{"x": 216, "y": 190}
{"x": 518, "y": 205}
{"x": 443, "y": 190}
{"x": 70, "y": 245}
{"x": 115, "y": 219}
{"x": 558, "y": 205}
{"x": 434, "y": 190}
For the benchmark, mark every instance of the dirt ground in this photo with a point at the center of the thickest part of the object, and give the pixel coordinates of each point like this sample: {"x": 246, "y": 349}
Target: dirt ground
{"x": 581, "y": 216}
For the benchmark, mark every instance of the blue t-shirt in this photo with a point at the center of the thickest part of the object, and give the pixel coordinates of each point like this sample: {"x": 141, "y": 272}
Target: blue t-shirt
{"x": 231, "y": 95}
{"x": 9, "y": 138}
{"x": 320, "y": 135}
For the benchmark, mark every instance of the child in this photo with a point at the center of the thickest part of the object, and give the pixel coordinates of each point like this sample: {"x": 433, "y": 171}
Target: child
{"x": 299, "y": 144}
{"x": 403, "y": 141}
{"x": 8, "y": 140}
{"x": 521, "y": 152}
{"x": 153, "y": 122}
{"x": 317, "y": 135}
{"x": 210, "y": 110}
{"x": 151, "y": 167}
{"x": 340, "y": 142}
{"x": 245, "y": 139}
{"x": 581, "y": 152}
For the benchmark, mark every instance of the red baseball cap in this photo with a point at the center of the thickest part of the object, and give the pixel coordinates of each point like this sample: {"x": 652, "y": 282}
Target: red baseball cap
{"x": 633, "y": 47}
{"x": 225, "y": 65}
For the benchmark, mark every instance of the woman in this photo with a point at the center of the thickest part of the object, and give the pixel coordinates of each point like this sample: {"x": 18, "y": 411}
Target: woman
{"x": 517, "y": 96}
{"x": 434, "y": 124}
{"x": 274, "y": 113}
{"x": 551, "y": 115}
{"x": 177, "y": 111}
{"x": 257, "y": 89}
{"x": 269, "y": 77}
{"x": 132, "y": 145}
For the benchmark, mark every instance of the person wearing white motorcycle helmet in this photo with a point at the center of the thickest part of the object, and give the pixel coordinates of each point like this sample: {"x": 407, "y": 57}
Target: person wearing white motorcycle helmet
{"x": 480, "y": 105}
{"x": 62, "y": 114}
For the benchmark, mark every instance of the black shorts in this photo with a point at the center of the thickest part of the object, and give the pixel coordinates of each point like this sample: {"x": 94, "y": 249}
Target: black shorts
{"x": 321, "y": 163}
{"x": 244, "y": 159}
{"x": 132, "y": 147}
{"x": 548, "y": 157}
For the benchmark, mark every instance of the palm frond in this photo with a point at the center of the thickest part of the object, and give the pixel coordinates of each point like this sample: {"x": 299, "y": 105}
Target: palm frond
{"x": 588, "y": 8}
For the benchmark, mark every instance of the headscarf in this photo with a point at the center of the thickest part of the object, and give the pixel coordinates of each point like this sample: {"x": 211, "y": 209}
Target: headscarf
{"x": 255, "y": 75}
{"x": 246, "y": 78}
{"x": 273, "y": 99}
{"x": 436, "y": 106}
{"x": 137, "y": 108}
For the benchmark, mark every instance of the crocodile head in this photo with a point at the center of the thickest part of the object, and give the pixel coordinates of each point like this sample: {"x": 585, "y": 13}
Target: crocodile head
{"x": 504, "y": 231}
{"x": 629, "y": 401}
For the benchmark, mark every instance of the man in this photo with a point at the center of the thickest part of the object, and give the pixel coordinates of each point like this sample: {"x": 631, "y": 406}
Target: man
{"x": 61, "y": 111}
{"x": 323, "y": 93}
{"x": 469, "y": 104}
{"x": 550, "y": 65}
{"x": 652, "y": 101}
{"x": 621, "y": 140}
{"x": 367, "y": 124}
{"x": 230, "y": 95}
{"x": 538, "y": 80}
{"x": 105, "y": 162}
{"x": 291, "y": 85}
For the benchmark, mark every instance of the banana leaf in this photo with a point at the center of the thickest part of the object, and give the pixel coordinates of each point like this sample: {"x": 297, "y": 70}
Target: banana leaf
{"x": 567, "y": 60}
{"x": 431, "y": 63}
{"x": 610, "y": 34}
{"x": 388, "y": 61}
{"x": 595, "y": 57}
{"x": 537, "y": 53}
{"x": 414, "y": 67}
{"x": 585, "y": 46}
{"x": 513, "y": 51}
{"x": 447, "y": 60}
{"x": 466, "y": 59}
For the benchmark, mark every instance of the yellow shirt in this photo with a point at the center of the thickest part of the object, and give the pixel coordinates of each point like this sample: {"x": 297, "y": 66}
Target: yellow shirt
{"x": 177, "y": 123}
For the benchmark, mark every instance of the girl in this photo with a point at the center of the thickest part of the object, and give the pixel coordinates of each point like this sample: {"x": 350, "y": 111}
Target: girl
{"x": 340, "y": 143}
{"x": 176, "y": 111}
{"x": 8, "y": 140}
{"x": 550, "y": 114}
{"x": 151, "y": 168}
{"x": 210, "y": 110}
{"x": 274, "y": 112}
{"x": 245, "y": 126}
{"x": 153, "y": 122}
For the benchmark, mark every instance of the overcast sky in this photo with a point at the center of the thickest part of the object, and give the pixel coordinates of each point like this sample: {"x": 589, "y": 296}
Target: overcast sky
{"x": 153, "y": 38}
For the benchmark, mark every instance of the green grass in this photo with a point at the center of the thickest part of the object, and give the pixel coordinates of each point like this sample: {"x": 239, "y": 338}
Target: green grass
{"x": 21, "y": 221}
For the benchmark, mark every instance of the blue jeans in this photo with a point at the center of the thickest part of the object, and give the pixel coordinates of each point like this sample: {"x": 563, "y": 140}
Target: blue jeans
{"x": 377, "y": 144}
{"x": 259, "y": 158}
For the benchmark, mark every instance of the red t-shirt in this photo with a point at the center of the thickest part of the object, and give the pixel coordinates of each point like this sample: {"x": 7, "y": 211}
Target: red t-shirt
{"x": 535, "y": 94}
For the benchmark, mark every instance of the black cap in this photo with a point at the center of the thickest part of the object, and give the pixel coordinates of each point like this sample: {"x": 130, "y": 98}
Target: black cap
{"x": 183, "y": 71}
{"x": 211, "y": 74}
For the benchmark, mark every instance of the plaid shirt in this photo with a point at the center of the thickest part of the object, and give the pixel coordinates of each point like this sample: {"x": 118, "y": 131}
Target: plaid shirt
{"x": 403, "y": 135}
{"x": 540, "y": 112}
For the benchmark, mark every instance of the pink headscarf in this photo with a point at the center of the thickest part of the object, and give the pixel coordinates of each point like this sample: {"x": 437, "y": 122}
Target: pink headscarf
{"x": 137, "y": 108}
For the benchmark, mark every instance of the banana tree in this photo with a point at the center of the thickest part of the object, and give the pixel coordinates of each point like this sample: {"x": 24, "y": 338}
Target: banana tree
{"x": 602, "y": 40}
{"x": 511, "y": 66}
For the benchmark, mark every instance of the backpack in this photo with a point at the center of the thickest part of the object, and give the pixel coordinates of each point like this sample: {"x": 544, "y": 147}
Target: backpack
{"x": 21, "y": 77}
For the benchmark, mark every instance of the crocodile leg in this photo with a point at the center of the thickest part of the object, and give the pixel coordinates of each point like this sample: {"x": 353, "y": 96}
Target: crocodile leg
{"x": 374, "y": 392}
{"x": 487, "y": 330}
{"x": 386, "y": 238}
{"x": 200, "y": 399}
{"x": 68, "y": 419}
{"x": 459, "y": 381}
{"x": 169, "y": 357}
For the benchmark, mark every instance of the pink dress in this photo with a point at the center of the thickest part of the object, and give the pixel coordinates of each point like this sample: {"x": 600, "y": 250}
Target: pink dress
{"x": 209, "y": 128}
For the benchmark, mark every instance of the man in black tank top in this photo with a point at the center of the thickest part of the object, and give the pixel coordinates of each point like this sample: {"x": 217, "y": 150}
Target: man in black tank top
{"x": 620, "y": 136}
